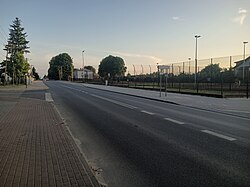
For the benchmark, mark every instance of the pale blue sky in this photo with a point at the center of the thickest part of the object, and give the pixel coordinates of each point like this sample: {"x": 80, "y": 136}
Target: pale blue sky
{"x": 140, "y": 31}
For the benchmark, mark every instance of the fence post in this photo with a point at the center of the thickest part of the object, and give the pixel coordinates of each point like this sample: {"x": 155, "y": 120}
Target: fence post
{"x": 247, "y": 87}
{"x": 172, "y": 75}
{"x": 179, "y": 79}
{"x": 221, "y": 88}
{"x": 230, "y": 84}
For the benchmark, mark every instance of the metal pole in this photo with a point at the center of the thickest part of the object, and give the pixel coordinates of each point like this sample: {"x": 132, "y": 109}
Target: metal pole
{"x": 134, "y": 69}
{"x": 5, "y": 75}
{"x": 183, "y": 68}
{"x": 158, "y": 74}
{"x": 244, "y": 56}
{"x": 160, "y": 84}
{"x": 83, "y": 66}
{"x": 166, "y": 83}
{"x": 189, "y": 66}
{"x": 179, "y": 78}
{"x": 196, "y": 51}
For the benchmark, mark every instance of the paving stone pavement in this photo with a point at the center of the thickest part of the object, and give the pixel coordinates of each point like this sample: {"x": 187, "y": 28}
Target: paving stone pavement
{"x": 36, "y": 148}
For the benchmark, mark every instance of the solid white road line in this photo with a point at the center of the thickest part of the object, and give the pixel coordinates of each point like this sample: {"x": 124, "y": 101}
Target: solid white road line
{"x": 48, "y": 97}
{"x": 174, "y": 121}
{"x": 146, "y": 112}
{"x": 218, "y": 135}
{"x": 115, "y": 102}
{"x": 100, "y": 97}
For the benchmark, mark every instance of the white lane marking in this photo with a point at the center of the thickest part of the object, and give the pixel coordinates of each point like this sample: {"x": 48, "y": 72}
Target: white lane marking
{"x": 72, "y": 88}
{"x": 174, "y": 121}
{"x": 100, "y": 97}
{"x": 147, "y": 112}
{"x": 48, "y": 97}
{"x": 218, "y": 135}
{"x": 76, "y": 89}
{"x": 240, "y": 111}
{"x": 115, "y": 102}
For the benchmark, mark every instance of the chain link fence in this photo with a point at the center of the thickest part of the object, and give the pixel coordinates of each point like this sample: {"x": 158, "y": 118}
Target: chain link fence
{"x": 220, "y": 77}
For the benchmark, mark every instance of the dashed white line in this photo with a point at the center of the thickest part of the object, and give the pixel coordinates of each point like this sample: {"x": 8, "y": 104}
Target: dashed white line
{"x": 174, "y": 121}
{"x": 48, "y": 97}
{"x": 147, "y": 112}
{"x": 218, "y": 135}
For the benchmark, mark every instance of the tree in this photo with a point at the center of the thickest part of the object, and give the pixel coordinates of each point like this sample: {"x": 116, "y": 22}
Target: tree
{"x": 35, "y": 74}
{"x": 61, "y": 67}
{"x": 212, "y": 73}
{"x": 17, "y": 66}
{"x": 112, "y": 66}
{"x": 91, "y": 68}
{"x": 17, "y": 38}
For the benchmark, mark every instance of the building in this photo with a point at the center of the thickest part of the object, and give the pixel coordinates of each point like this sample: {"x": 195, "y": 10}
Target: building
{"x": 79, "y": 74}
{"x": 240, "y": 65}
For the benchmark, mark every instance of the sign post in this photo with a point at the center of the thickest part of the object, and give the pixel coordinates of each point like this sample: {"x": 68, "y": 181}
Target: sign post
{"x": 163, "y": 70}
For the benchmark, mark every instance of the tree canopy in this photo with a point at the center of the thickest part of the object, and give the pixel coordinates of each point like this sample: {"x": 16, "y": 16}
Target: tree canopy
{"x": 34, "y": 73}
{"x": 113, "y": 66}
{"x": 61, "y": 67}
{"x": 91, "y": 68}
{"x": 15, "y": 61}
{"x": 211, "y": 72}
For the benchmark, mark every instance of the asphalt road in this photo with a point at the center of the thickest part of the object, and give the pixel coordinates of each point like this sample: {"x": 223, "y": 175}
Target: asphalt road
{"x": 132, "y": 141}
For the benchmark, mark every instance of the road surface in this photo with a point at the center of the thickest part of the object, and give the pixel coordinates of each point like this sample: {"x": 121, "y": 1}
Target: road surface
{"x": 131, "y": 141}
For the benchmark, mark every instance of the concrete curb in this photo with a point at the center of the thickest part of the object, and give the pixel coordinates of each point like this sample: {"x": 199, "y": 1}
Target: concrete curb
{"x": 170, "y": 102}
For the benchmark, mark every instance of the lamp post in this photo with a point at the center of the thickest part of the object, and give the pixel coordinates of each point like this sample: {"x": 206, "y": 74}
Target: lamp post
{"x": 196, "y": 49}
{"x": 189, "y": 66}
{"x": 83, "y": 75}
{"x": 244, "y": 56}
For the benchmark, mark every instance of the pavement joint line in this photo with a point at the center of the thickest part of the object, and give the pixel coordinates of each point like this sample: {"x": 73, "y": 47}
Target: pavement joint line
{"x": 219, "y": 135}
{"x": 147, "y": 112}
{"x": 174, "y": 121}
{"x": 48, "y": 97}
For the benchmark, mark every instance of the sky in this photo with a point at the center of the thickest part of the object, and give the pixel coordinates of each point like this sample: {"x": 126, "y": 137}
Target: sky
{"x": 142, "y": 32}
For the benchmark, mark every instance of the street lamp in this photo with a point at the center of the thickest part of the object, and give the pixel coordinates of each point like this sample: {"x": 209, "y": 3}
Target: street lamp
{"x": 196, "y": 49}
{"x": 189, "y": 66}
{"x": 244, "y": 56}
{"x": 83, "y": 75}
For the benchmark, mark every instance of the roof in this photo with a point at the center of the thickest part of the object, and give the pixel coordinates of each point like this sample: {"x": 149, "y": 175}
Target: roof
{"x": 238, "y": 63}
{"x": 87, "y": 70}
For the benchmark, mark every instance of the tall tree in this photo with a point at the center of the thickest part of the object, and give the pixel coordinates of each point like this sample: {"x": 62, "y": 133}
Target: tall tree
{"x": 17, "y": 66}
{"x": 113, "y": 66}
{"x": 34, "y": 73}
{"x": 61, "y": 67}
{"x": 17, "y": 38}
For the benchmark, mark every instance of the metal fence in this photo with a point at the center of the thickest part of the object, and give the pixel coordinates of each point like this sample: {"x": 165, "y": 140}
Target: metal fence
{"x": 181, "y": 77}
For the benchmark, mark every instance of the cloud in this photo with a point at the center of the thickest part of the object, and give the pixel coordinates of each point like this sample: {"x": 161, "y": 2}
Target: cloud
{"x": 153, "y": 58}
{"x": 242, "y": 11}
{"x": 242, "y": 14}
{"x": 176, "y": 18}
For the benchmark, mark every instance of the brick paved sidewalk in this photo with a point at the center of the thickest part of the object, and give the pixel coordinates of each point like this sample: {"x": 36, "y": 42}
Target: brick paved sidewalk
{"x": 36, "y": 149}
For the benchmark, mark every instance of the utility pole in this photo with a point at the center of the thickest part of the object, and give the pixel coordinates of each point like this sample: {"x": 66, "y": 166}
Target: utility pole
{"x": 6, "y": 62}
